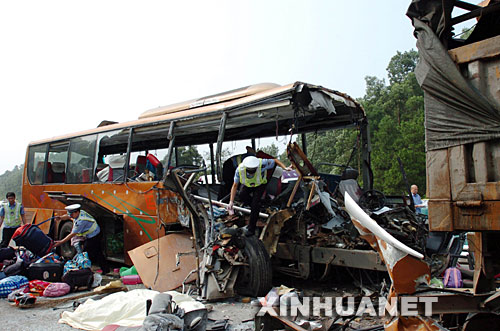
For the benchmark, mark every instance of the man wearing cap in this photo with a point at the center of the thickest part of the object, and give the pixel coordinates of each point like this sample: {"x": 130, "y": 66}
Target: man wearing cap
{"x": 252, "y": 174}
{"x": 87, "y": 231}
{"x": 11, "y": 216}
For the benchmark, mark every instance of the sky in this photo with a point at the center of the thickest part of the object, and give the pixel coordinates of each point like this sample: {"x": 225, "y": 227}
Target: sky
{"x": 67, "y": 65}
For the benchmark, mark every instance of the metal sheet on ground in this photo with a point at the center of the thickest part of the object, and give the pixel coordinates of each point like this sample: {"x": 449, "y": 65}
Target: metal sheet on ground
{"x": 156, "y": 262}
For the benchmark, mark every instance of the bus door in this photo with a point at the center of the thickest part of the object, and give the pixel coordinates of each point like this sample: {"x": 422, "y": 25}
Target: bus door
{"x": 111, "y": 225}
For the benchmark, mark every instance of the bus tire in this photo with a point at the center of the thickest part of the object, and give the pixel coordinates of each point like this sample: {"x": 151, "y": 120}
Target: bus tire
{"x": 66, "y": 250}
{"x": 256, "y": 278}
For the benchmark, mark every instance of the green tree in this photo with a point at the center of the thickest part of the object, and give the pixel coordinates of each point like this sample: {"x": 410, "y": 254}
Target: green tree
{"x": 341, "y": 144}
{"x": 466, "y": 32}
{"x": 396, "y": 122}
{"x": 189, "y": 155}
{"x": 11, "y": 181}
{"x": 401, "y": 65}
{"x": 272, "y": 150}
{"x": 396, "y": 119}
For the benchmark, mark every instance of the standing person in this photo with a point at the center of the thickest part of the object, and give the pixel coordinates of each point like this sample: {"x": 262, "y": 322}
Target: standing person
{"x": 87, "y": 231}
{"x": 416, "y": 199}
{"x": 252, "y": 174}
{"x": 12, "y": 213}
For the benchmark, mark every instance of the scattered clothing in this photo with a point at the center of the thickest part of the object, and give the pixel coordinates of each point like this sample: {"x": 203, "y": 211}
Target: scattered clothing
{"x": 9, "y": 284}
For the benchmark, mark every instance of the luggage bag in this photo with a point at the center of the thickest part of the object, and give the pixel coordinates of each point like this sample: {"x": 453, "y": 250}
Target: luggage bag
{"x": 31, "y": 237}
{"x": 49, "y": 272}
{"x": 79, "y": 278}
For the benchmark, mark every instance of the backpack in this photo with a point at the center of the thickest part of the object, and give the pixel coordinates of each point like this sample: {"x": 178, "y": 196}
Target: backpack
{"x": 452, "y": 278}
{"x": 79, "y": 261}
{"x": 7, "y": 253}
{"x": 17, "y": 268}
{"x": 23, "y": 260}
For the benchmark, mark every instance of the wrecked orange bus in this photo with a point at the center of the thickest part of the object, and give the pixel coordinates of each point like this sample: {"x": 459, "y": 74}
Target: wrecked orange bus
{"x": 165, "y": 173}
{"x": 104, "y": 169}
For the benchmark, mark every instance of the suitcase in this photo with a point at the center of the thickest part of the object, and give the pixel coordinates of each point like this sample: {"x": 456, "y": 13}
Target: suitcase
{"x": 49, "y": 272}
{"x": 31, "y": 237}
{"x": 79, "y": 278}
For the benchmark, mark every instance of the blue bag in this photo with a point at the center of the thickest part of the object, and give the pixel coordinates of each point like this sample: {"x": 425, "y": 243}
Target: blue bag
{"x": 80, "y": 261}
{"x": 9, "y": 284}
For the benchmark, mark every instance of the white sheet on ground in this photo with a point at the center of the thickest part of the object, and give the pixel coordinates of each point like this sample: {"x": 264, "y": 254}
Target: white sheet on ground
{"x": 123, "y": 308}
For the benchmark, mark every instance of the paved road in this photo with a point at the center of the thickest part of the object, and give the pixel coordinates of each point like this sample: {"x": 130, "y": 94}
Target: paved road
{"x": 33, "y": 319}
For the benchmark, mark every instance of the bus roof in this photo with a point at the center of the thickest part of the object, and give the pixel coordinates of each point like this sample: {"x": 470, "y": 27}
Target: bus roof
{"x": 257, "y": 110}
{"x": 208, "y": 100}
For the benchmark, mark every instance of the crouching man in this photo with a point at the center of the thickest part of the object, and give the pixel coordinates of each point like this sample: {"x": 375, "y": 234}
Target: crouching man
{"x": 85, "y": 231}
{"x": 252, "y": 173}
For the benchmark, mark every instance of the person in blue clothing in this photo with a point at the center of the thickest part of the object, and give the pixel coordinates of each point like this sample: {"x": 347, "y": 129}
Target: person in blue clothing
{"x": 417, "y": 200}
{"x": 12, "y": 217}
{"x": 85, "y": 232}
{"x": 252, "y": 173}
{"x": 228, "y": 169}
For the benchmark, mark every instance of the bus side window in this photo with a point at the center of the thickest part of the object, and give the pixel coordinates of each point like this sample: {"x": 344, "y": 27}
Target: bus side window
{"x": 36, "y": 162}
{"x": 81, "y": 159}
{"x": 56, "y": 163}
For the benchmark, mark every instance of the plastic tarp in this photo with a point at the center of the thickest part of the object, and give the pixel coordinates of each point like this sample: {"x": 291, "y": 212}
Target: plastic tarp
{"x": 456, "y": 112}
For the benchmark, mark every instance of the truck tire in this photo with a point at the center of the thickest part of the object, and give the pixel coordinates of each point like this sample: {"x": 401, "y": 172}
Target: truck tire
{"x": 66, "y": 250}
{"x": 256, "y": 278}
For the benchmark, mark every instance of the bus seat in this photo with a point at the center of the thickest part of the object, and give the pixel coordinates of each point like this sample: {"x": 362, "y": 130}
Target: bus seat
{"x": 156, "y": 164}
{"x": 140, "y": 164}
{"x": 39, "y": 172}
{"x": 116, "y": 164}
{"x": 58, "y": 172}
{"x": 332, "y": 181}
{"x": 348, "y": 183}
{"x": 86, "y": 175}
{"x": 102, "y": 174}
{"x": 263, "y": 155}
{"x": 115, "y": 174}
{"x": 273, "y": 187}
{"x": 153, "y": 159}
{"x": 50, "y": 173}
{"x": 99, "y": 167}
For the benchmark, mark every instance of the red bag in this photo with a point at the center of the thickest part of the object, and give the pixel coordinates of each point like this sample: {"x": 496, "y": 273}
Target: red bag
{"x": 38, "y": 286}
